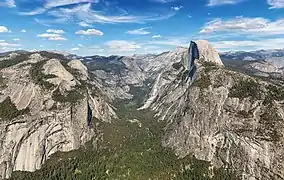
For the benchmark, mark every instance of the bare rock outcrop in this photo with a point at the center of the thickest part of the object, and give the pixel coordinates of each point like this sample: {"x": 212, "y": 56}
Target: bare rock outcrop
{"x": 80, "y": 67}
{"x": 54, "y": 67}
{"x": 208, "y": 53}
{"x": 37, "y": 119}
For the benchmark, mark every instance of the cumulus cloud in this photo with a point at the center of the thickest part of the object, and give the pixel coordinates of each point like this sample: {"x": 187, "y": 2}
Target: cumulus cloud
{"x": 157, "y": 36}
{"x": 122, "y": 46}
{"x": 52, "y": 37}
{"x": 141, "y": 31}
{"x": 46, "y": 35}
{"x": 16, "y": 39}
{"x": 276, "y": 4}
{"x": 57, "y": 39}
{"x": 255, "y": 26}
{"x": 90, "y": 32}
{"x": 23, "y": 30}
{"x": 84, "y": 24}
{"x": 3, "y": 29}
{"x": 56, "y": 31}
{"x": 223, "y": 2}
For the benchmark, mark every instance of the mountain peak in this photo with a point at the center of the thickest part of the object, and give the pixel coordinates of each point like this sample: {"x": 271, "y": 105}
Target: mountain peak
{"x": 208, "y": 53}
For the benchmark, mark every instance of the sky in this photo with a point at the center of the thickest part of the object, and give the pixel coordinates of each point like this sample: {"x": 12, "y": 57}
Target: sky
{"x": 125, "y": 27}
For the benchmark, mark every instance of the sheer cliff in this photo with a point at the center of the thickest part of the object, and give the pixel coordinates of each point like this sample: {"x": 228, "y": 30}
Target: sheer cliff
{"x": 44, "y": 100}
{"x": 228, "y": 118}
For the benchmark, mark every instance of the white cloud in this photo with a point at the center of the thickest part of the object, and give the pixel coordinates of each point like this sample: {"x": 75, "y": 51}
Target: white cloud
{"x": 16, "y": 39}
{"x": 1, "y": 40}
{"x": 90, "y": 32}
{"x": 11, "y": 3}
{"x": 23, "y": 30}
{"x": 276, "y": 4}
{"x": 8, "y": 3}
{"x": 170, "y": 42}
{"x": 223, "y": 2}
{"x": 3, "y": 29}
{"x": 84, "y": 24}
{"x": 33, "y": 12}
{"x": 141, "y": 31}
{"x": 122, "y": 46}
{"x": 80, "y": 45}
{"x": 52, "y": 37}
{"x": 5, "y": 44}
{"x": 177, "y": 8}
{"x": 46, "y": 35}
{"x": 240, "y": 25}
{"x": 84, "y": 12}
{"x": 75, "y": 49}
{"x": 57, "y": 39}
{"x": 56, "y": 31}
{"x": 157, "y": 36}
{"x": 272, "y": 43}
{"x": 57, "y": 3}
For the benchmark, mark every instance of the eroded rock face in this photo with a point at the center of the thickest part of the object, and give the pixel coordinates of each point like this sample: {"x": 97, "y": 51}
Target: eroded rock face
{"x": 48, "y": 120}
{"x": 27, "y": 142}
{"x": 224, "y": 117}
{"x": 78, "y": 65}
{"x": 54, "y": 67}
{"x": 208, "y": 53}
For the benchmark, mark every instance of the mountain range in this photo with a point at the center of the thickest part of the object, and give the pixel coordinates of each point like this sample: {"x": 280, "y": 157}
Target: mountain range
{"x": 150, "y": 116}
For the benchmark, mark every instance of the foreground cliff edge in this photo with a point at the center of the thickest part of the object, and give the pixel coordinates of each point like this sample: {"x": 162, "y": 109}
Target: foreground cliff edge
{"x": 178, "y": 115}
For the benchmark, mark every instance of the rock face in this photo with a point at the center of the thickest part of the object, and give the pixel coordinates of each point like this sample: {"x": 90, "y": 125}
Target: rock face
{"x": 54, "y": 67}
{"x": 208, "y": 53}
{"x": 44, "y": 110}
{"x": 225, "y": 117}
{"x": 78, "y": 65}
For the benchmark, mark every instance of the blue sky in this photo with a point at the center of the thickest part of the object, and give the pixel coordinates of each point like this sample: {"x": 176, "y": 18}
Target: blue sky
{"x": 105, "y": 27}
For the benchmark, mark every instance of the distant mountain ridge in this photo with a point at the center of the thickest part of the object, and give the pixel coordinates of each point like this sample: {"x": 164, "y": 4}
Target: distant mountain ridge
{"x": 273, "y": 56}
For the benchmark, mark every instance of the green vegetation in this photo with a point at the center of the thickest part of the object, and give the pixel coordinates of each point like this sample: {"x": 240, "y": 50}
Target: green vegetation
{"x": 112, "y": 64}
{"x": 209, "y": 66}
{"x": 246, "y": 88}
{"x": 52, "y": 55}
{"x": 39, "y": 77}
{"x": 15, "y": 60}
{"x": 72, "y": 71}
{"x": 274, "y": 93}
{"x": 203, "y": 81}
{"x": 9, "y": 111}
{"x": 269, "y": 121}
{"x": 127, "y": 152}
{"x": 72, "y": 96}
{"x": 177, "y": 65}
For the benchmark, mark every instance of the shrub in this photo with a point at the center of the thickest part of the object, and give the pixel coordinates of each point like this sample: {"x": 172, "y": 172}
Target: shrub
{"x": 8, "y": 110}
{"x": 246, "y": 88}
